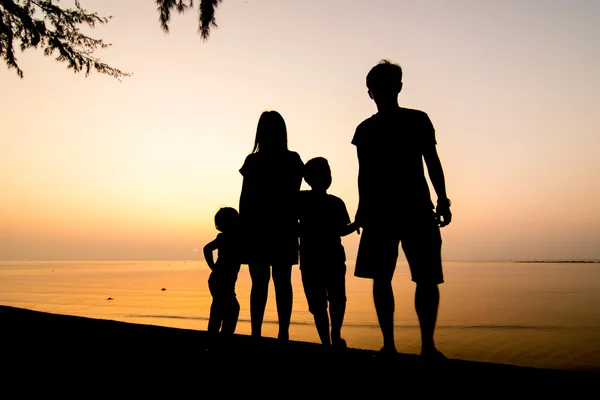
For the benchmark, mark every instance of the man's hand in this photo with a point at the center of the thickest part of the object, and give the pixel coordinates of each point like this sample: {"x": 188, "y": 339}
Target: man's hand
{"x": 442, "y": 212}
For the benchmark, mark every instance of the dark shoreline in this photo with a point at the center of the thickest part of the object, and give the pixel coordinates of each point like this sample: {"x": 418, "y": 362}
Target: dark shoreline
{"x": 104, "y": 348}
{"x": 558, "y": 261}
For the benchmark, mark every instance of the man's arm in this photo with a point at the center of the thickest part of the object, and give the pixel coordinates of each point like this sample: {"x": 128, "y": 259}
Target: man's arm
{"x": 436, "y": 175}
{"x": 208, "y": 253}
{"x": 360, "y": 216}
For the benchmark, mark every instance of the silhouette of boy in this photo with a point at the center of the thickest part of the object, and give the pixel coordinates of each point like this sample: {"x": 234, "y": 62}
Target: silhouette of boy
{"x": 225, "y": 308}
{"x": 395, "y": 205}
{"x": 323, "y": 219}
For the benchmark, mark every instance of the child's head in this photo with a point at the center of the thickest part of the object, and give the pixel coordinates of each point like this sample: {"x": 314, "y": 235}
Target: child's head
{"x": 271, "y": 133}
{"x": 227, "y": 219}
{"x": 384, "y": 80}
{"x": 317, "y": 173}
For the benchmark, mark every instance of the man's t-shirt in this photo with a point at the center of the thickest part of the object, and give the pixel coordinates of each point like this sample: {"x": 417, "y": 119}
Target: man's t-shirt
{"x": 392, "y": 183}
{"x": 322, "y": 218}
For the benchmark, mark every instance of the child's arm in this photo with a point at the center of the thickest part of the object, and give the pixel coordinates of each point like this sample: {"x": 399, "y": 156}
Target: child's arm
{"x": 348, "y": 229}
{"x": 436, "y": 175}
{"x": 208, "y": 253}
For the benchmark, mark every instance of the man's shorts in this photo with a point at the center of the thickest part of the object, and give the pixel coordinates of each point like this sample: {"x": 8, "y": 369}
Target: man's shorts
{"x": 323, "y": 285}
{"x": 422, "y": 244}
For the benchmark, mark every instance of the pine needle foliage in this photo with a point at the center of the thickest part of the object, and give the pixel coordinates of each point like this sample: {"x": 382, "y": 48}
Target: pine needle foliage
{"x": 206, "y": 13}
{"x": 44, "y": 24}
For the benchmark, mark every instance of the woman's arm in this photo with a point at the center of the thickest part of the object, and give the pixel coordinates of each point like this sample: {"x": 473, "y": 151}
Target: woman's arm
{"x": 248, "y": 195}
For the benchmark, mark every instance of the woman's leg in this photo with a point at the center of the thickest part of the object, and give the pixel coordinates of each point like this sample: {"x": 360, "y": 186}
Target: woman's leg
{"x": 282, "y": 278}
{"x": 260, "y": 275}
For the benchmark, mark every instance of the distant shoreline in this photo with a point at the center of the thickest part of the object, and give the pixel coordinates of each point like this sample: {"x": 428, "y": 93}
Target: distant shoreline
{"x": 558, "y": 261}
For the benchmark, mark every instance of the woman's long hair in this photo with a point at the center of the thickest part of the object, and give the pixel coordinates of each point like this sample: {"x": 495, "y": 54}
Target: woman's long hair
{"x": 271, "y": 133}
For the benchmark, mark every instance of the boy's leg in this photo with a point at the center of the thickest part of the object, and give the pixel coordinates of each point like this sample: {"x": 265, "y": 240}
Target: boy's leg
{"x": 316, "y": 297}
{"x": 284, "y": 296}
{"x": 336, "y": 290}
{"x": 383, "y": 296}
{"x": 260, "y": 275}
{"x": 322, "y": 323}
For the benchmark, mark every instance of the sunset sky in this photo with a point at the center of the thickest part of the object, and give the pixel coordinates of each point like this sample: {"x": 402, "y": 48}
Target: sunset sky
{"x": 93, "y": 168}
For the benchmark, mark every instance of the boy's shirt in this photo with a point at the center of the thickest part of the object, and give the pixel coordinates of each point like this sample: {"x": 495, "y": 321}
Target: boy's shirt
{"x": 322, "y": 218}
{"x": 392, "y": 183}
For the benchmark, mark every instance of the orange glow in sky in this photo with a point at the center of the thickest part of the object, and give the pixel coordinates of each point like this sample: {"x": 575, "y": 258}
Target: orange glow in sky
{"x": 94, "y": 168}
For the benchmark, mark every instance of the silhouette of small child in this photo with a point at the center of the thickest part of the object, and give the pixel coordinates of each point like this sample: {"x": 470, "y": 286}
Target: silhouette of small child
{"x": 323, "y": 220}
{"x": 225, "y": 308}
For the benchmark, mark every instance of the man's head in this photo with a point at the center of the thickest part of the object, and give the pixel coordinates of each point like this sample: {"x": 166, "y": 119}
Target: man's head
{"x": 384, "y": 80}
{"x": 317, "y": 173}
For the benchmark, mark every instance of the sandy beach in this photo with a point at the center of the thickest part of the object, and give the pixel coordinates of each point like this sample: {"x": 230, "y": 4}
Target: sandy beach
{"x": 38, "y": 344}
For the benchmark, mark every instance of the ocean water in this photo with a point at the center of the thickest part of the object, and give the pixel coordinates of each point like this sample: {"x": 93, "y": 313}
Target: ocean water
{"x": 541, "y": 315}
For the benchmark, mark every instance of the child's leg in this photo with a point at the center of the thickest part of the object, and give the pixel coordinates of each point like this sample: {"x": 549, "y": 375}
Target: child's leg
{"x": 231, "y": 316}
{"x": 336, "y": 288}
{"x": 215, "y": 319}
{"x": 322, "y": 324}
{"x": 216, "y": 308}
{"x": 316, "y": 297}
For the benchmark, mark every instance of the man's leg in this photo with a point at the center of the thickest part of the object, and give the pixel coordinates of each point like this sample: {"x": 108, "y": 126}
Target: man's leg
{"x": 376, "y": 259}
{"x": 383, "y": 295}
{"x": 422, "y": 248}
{"x": 427, "y": 299}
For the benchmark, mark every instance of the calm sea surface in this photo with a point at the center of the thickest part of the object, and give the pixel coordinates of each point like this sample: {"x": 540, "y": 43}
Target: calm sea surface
{"x": 542, "y": 315}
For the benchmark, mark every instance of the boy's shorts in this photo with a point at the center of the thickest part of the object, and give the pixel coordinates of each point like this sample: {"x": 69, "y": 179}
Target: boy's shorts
{"x": 422, "y": 245}
{"x": 323, "y": 285}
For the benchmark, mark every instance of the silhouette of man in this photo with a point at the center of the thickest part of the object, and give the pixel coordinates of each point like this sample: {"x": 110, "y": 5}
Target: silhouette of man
{"x": 395, "y": 205}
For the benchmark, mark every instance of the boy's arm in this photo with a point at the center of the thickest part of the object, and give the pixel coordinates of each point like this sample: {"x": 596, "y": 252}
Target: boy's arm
{"x": 436, "y": 175}
{"x": 348, "y": 229}
{"x": 208, "y": 253}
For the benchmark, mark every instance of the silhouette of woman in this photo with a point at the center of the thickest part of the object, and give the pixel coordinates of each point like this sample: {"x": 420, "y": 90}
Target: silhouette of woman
{"x": 272, "y": 177}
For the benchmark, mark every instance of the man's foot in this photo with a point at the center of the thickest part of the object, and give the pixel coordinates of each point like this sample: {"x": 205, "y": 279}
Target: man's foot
{"x": 433, "y": 355}
{"x": 387, "y": 352}
{"x": 339, "y": 344}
